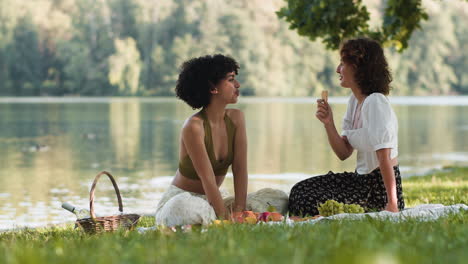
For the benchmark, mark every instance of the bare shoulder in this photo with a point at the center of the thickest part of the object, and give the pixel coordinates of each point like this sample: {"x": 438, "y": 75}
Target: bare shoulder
{"x": 193, "y": 126}
{"x": 236, "y": 115}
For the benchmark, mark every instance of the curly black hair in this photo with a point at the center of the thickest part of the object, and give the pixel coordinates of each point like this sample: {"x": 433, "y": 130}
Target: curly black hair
{"x": 372, "y": 73}
{"x": 199, "y": 76}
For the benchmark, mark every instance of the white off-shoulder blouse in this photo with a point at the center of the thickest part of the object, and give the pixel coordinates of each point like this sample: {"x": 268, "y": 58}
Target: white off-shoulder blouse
{"x": 377, "y": 129}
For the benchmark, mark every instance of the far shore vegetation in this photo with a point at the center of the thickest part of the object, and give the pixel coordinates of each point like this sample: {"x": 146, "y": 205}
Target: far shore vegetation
{"x": 135, "y": 47}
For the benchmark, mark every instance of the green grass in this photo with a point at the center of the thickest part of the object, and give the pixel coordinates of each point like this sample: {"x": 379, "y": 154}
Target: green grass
{"x": 449, "y": 186}
{"x": 363, "y": 241}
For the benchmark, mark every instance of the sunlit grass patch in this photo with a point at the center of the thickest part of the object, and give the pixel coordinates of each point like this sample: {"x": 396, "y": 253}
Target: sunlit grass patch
{"x": 446, "y": 187}
{"x": 359, "y": 241}
{"x": 349, "y": 241}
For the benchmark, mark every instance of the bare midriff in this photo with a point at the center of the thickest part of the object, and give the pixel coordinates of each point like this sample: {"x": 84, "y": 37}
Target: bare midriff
{"x": 192, "y": 185}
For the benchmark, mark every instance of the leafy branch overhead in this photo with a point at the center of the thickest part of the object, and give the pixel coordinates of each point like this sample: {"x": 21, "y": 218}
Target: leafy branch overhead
{"x": 336, "y": 20}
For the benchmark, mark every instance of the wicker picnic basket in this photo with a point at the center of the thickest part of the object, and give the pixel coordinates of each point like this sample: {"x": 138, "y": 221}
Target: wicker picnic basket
{"x": 106, "y": 223}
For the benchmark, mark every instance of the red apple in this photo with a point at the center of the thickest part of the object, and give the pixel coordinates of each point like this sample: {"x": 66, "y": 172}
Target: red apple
{"x": 246, "y": 214}
{"x": 264, "y": 216}
{"x": 275, "y": 216}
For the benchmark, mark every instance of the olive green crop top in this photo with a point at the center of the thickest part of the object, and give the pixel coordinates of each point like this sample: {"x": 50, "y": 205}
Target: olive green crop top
{"x": 219, "y": 168}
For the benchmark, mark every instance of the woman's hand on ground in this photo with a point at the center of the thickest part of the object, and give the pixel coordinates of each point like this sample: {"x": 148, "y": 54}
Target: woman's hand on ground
{"x": 324, "y": 112}
{"x": 236, "y": 217}
{"x": 392, "y": 207}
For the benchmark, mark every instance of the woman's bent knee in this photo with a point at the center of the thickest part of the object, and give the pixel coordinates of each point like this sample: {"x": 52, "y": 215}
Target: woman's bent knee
{"x": 185, "y": 209}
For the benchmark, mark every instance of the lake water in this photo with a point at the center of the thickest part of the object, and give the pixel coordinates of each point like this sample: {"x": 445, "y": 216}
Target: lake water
{"x": 51, "y": 149}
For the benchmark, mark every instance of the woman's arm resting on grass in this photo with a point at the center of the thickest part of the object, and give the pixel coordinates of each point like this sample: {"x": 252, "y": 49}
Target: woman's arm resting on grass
{"x": 193, "y": 136}
{"x": 239, "y": 165}
{"x": 388, "y": 176}
{"x": 339, "y": 144}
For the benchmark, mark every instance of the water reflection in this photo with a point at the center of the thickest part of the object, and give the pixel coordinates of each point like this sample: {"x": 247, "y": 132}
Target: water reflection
{"x": 52, "y": 151}
{"x": 287, "y": 138}
{"x": 125, "y": 126}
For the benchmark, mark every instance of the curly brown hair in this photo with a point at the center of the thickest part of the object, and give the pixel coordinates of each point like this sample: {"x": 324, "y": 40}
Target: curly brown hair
{"x": 371, "y": 74}
{"x": 198, "y": 76}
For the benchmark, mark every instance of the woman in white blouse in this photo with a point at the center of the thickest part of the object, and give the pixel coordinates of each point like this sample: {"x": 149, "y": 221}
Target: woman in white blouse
{"x": 370, "y": 126}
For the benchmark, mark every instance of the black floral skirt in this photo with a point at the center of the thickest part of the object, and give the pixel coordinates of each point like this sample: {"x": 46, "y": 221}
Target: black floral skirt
{"x": 367, "y": 190}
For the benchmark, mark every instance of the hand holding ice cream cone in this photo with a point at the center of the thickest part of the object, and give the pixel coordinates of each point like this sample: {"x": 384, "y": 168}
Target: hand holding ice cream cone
{"x": 324, "y": 112}
{"x": 325, "y": 95}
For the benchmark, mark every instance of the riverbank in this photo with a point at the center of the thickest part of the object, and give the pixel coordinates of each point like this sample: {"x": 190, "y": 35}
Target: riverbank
{"x": 363, "y": 241}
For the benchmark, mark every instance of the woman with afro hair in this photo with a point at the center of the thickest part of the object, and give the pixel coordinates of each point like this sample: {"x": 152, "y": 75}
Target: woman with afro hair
{"x": 370, "y": 126}
{"x": 211, "y": 141}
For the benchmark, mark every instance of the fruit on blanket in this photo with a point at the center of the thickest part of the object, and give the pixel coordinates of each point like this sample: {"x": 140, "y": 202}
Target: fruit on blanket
{"x": 332, "y": 207}
{"x": 271, "y": 208}
{"x": 353, "y": 209}
{"x": 250, "y": 220}
{"x": 264, "y": 216}
{"x": 217, "y": 222}
{"x": 250, "y": 217}
{"x": 220, "y": 222}
{"x": 275, "y": 216}
{"x": 270, "y": 216}
{"x": 246, "y": 214}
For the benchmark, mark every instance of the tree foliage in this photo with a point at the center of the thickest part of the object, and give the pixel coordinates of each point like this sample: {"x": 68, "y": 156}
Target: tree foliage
{"x": 134, "y": 47}
{"x": 336, "y": 20}
{"x": 124, "y": 66}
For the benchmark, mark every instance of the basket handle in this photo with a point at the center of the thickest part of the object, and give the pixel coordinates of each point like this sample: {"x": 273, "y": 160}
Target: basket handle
{"x": 93, "y": 188}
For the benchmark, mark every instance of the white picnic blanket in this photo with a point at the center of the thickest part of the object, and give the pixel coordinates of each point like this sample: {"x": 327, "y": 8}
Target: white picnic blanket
{"x": 423, "y": 212}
